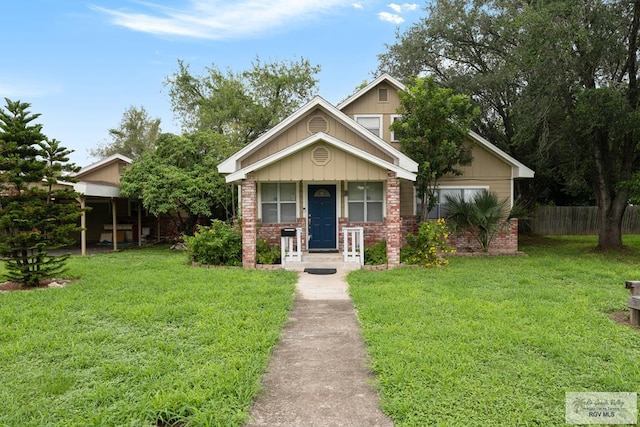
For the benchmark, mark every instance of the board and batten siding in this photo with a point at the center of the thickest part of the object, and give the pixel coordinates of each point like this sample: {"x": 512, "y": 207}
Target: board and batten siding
{"x": 369, "y": 103}
{"x": 108, "y": 174}
{"x": 487, "y": 170}
{"x": 341, "y": 166}
{"x": 407, "y": 207}
{"x": 301, "y": 130}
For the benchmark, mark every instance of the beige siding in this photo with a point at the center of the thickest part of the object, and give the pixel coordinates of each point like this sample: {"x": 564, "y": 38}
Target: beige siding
{"x": 406, "y": 198}
{"x": 369, "y": 104}
{"x": 342, "y": 166}
{"x": 486, "y": 170}
{"x": 109, "y": 173}
{"x": 300, "y": 131}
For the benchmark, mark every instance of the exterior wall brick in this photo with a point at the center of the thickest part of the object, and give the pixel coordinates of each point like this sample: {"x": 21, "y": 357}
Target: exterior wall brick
{"x": 505, "y": 242}
{"x": 249, "y": 221}
{"x": 374, "y": 232}
{"x": 393, "y": 220}
{"x": 409, "y": 225}
{"x": 271, "y": 232}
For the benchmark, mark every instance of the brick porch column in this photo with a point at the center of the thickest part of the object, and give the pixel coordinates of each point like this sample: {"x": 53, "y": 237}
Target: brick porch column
{"x": 249, "y": 220}
{"x": 393, "y": 220}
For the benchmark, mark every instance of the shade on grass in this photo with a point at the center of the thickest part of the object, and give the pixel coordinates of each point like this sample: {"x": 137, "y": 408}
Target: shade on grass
{"x": 140, "y": 339}
{"x": 499, "y": 340}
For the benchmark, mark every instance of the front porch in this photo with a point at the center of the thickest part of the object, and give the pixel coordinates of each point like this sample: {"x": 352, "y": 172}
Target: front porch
{"x": 325, "y": 222}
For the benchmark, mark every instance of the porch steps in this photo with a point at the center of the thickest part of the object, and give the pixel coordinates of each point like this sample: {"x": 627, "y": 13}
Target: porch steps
{"x": 321, "y": 260}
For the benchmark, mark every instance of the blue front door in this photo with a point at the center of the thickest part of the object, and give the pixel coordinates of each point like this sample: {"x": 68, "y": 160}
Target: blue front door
{"x": 322, "y": 217}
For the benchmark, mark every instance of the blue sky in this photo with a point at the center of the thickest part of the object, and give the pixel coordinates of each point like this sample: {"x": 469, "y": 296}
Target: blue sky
{"x": 82, "y": 64}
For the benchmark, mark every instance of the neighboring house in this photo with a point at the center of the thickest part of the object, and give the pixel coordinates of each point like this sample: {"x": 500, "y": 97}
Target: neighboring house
{"x": 325, "y": 168}
{"x": 111, "y": 218}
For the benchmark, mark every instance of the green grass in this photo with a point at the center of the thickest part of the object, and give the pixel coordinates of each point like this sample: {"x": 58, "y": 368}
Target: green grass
{"x": 140, "y": 339}
{"x": 499, "y": 340}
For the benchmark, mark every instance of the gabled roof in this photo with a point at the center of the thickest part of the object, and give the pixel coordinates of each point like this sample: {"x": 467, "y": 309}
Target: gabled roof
{"x": 232, "y": 164}
{"x": 519, "y": 170}
{"x": 102, "y": 163}
{"x": 382, "y": 78}
{"x": 320, "y": 137}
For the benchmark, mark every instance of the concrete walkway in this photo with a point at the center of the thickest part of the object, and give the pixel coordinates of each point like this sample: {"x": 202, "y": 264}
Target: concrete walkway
{"x": 318, "y": 374}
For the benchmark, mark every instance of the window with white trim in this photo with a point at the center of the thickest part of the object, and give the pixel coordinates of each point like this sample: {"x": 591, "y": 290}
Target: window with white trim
{"x": 365, "y": 201}
{"x": 278, "y": 202}
{"x": 395, "y": 138}
{"x": 440, "y": 209}
{"x": 373, "y": 123}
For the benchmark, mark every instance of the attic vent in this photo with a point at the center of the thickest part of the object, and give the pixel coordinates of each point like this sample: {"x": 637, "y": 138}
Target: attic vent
{"x": 321, "y": 156}
{"x": 383, "y": 94}
{"x": 317, "y": 124}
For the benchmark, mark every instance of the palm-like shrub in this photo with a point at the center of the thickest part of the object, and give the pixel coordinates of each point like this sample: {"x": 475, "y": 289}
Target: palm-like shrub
{"x": 483, "y": 216}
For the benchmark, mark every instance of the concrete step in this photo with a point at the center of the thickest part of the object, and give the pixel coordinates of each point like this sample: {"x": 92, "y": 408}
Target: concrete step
{"x": 321, "y": 260}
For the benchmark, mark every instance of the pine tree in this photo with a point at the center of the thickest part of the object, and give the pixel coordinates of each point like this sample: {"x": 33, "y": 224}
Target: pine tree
{"x": 37, "y": 214}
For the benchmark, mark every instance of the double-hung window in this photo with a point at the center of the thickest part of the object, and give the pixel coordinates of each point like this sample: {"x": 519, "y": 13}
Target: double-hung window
{"x": 278, "y": 202}
{"x": 373, "y": 123}
{"x": 365, "y": 201}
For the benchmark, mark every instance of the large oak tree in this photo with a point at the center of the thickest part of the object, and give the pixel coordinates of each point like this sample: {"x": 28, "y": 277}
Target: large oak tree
{"x": 557, "y": 83}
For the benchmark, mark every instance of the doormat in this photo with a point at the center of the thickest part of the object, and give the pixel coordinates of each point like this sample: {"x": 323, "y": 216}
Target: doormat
{"x": 320, "y": 270}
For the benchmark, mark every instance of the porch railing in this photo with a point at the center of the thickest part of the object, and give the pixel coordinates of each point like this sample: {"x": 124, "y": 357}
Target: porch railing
{"x": 353, "y": 244}
{"x": 291, "y": 247}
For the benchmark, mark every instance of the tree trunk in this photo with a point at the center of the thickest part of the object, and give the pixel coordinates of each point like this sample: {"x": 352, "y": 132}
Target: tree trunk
{"x": 610, "y": 227}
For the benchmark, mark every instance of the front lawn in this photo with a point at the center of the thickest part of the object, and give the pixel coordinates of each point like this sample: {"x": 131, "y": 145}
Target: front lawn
{"x": 141, "y": 339}
{"x": 499, "y": 340}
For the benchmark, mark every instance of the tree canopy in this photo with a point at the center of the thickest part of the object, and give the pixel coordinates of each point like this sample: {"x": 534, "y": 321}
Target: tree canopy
{"x": 180, "y": 178}
{"x": 220, "y": 112}
{"x": 557, "y": 85}
{"x": 136, "y": 135}
{"x": 244, "y": 104}
{"x": 432, "y": 130}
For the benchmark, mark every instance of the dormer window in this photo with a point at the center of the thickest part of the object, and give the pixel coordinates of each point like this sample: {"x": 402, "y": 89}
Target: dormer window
{"x": 373, "y": 123}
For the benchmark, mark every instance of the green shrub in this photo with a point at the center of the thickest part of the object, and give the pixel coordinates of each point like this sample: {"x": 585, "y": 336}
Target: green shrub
{"x": 266, "y": 253}
{"x": 484, "y": 216}
{"x": 429, "y": 246}
{"x": 376, "y": 254}
{"x": 217, "y": 244}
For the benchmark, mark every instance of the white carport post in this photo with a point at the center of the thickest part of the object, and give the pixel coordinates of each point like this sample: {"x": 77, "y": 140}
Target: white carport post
{"x": 115, "y": 224}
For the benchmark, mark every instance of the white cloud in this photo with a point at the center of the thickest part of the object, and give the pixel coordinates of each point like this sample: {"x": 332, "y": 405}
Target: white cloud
{"x": 215, "y": 19}
{"x": 23, "y": 90}
{"x": 390, "y": 17}
{"x": 397, "y": 8}
{"x": 357, "y": 5}
{"x": 396, "y": 17}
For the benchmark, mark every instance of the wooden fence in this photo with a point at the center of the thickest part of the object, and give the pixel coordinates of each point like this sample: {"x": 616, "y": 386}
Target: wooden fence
{"x": 578, "y": 220}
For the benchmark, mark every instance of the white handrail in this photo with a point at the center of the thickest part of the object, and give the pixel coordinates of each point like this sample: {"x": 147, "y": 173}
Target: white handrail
{"x": 353, "y": 244}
